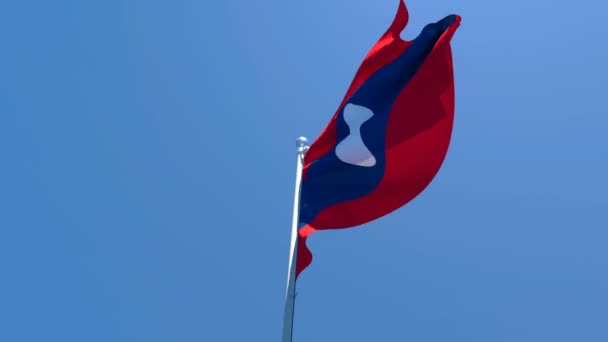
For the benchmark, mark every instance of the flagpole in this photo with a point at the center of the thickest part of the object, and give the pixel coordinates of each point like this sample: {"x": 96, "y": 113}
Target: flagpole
{"x": 290, "y": 296}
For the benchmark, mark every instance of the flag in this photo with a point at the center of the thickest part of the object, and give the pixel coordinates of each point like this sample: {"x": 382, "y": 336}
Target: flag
{"x": 389, "y": 136}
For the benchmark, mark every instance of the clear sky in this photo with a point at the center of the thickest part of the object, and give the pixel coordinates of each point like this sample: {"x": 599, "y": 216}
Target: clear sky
{"x": 148, "y": 159}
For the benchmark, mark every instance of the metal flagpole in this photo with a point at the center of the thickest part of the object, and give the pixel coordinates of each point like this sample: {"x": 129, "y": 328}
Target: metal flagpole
{"x": 290, "y": 296}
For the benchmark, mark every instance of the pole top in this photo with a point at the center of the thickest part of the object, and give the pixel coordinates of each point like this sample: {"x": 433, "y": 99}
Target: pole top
{"x": 302, "y": 144}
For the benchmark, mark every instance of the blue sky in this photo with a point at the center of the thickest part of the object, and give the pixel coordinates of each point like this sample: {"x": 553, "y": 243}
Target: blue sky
{"x": 148, "y": 159}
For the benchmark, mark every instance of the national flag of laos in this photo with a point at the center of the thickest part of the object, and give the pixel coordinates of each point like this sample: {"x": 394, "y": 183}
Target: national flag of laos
{"x": 389, "y": 136}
